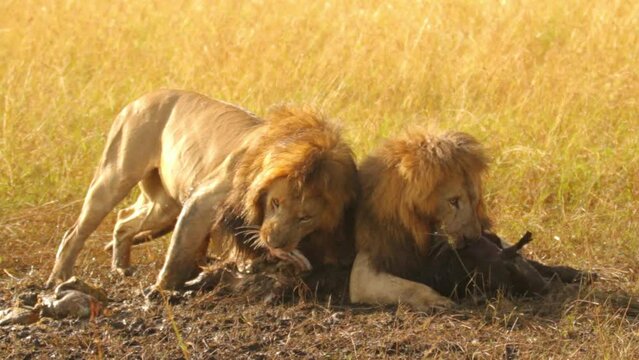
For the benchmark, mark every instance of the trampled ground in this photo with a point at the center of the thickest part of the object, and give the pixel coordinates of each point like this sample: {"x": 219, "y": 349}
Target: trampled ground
{"x": 577, "y": 322}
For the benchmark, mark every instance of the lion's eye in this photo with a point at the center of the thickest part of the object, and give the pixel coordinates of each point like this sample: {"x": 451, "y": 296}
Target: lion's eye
{"x": 305, "y": 219}
{"x": 454, "y": 202}
{"x": 275, "y": 203}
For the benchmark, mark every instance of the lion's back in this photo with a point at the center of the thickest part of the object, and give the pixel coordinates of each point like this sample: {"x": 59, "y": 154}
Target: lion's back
{"x": 185, "y": 135}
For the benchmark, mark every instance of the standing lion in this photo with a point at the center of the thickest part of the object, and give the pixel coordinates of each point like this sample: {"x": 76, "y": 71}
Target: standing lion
{"x": 414, "y": 189}
{"x": 203, "y": 164}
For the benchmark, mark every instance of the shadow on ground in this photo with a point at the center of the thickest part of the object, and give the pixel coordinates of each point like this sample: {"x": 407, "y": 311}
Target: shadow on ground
{"x": 573, "y": 322}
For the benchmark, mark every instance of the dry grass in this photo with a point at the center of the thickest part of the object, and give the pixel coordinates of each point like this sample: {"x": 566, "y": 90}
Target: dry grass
{"x": 552, "y": 87}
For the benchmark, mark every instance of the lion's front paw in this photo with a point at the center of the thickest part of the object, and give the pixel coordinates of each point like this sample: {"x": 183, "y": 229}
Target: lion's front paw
{"x": 432, "y": 301}
{"x": 56, "y": 278}
{"x": 155, "y": 295}
{"x": 152, "y": 294}
{"x": 444, "y": 303}
{"x": 51, "y": 282}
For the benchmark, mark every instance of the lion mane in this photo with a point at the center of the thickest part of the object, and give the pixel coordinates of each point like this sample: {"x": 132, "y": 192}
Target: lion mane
{"x": 395, "y": 216}
{"x": 205, "y": 167}
{"x": 302, "y": 145}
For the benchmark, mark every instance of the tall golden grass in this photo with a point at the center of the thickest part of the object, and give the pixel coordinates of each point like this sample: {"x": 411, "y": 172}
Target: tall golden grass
{"x": 552, "y": 88}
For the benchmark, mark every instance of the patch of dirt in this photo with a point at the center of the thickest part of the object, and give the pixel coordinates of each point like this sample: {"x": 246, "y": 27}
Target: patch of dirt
{"x": 572, "y": 322}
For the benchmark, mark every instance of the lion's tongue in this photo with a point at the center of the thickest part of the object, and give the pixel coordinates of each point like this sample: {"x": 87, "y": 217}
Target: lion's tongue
{"x": 295, "y": 257}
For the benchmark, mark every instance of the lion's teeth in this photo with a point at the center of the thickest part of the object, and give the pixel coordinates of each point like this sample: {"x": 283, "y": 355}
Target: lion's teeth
{"x": 304, "y": 261}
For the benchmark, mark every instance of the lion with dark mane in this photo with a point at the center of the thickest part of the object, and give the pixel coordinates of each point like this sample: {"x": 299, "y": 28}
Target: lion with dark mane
{"x": 281, "y": 185}
{"x": 414, "y": 189}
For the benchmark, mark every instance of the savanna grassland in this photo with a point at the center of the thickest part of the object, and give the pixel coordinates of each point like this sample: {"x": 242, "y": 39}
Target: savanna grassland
{"x": 551, "y": 88}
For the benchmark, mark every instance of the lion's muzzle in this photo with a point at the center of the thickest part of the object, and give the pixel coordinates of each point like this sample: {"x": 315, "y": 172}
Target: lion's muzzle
{"x": 276, "y": 236}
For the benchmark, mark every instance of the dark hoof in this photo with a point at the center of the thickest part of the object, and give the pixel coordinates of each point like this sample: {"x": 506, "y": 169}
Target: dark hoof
{"x": 206, "y": 280}
{"x": 123, "y": 271}
{"x": 153, "y": 295}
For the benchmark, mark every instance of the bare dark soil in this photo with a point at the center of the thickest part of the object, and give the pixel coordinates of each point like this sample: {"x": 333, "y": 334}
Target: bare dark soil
{"x": 574, "y": 321}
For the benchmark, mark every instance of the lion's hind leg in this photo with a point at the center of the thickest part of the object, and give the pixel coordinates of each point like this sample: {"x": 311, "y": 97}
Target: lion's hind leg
{"x": 131, "y": 152}
{"x": 153, "y": 215}
{"x": 107, "y": 189}
{"x": 369, "y": 286}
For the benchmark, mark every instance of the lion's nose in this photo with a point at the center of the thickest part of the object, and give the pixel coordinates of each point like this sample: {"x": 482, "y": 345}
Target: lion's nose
{"x": 275, "y": 241}
{"x": 472, "y": 233}
{"x": 274, "y": 244}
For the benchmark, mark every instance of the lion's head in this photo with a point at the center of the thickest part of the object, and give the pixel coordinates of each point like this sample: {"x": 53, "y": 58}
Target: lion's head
{"x": 421, "y": 185}
{"x": 294, "y": 184}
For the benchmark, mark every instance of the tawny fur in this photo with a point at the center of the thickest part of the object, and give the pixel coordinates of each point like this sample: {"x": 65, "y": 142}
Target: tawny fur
{"x": 299, "y": 144}
{"x": 202, "y": 166}
{"x": 397, "y": 215}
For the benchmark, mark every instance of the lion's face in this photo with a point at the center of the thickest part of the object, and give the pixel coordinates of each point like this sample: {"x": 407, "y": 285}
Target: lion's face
{"x": 456, "y": 201}
{"x": 289, "y": 215}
